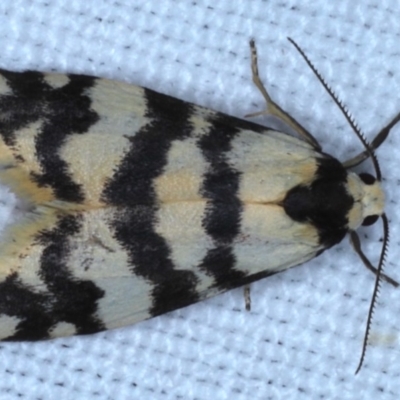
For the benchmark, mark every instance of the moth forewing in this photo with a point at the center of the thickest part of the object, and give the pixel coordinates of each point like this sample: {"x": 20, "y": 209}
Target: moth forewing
{"x": 140, "y": 203}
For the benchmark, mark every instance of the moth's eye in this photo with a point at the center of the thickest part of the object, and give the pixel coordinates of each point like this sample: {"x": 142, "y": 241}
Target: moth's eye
{"x": 371, "y": 219}
{"x": 368, "y": 179}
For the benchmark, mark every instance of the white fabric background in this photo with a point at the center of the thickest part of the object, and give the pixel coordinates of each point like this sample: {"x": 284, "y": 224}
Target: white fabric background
{"x": 303, "y": 337}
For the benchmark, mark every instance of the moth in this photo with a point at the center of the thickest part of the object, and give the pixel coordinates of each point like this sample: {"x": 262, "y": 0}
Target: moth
{"x": 134, "y": 203}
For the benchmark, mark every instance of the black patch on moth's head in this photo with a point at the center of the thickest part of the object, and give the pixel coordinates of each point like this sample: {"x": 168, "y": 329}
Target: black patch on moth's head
{"x": 368, "y": 179}
{"x": 370, "y": 220}
{"x": 325, "y": 203}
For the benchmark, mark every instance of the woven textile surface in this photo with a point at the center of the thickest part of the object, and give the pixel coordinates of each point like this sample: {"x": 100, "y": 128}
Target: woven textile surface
{"x": 303, "y": 336}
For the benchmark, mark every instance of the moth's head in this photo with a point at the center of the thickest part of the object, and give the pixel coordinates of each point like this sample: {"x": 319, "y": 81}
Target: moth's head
{"x": 368, "y": 198}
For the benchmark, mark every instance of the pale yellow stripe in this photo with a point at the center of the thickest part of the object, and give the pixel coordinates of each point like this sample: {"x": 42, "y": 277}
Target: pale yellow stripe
{"x": 56, "y": 80}
{"x": 180, "y": 224}
{"x": 8, "y": 325}
{"x": 270, "y": 167}
{"x": 94, "y": 157}
{"x": 270, "y": 240}
{"x": 97, "y": 256}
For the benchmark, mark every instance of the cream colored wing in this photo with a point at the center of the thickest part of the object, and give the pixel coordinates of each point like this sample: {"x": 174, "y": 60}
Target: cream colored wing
{"x": 137, "y": 203}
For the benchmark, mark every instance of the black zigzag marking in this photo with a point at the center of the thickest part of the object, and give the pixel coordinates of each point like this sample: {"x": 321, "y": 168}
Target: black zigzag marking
{"x": 73, "y": 300}
{"x": 222, "y": 218}
{"x": 132, "y": 189}
{"x": 17, "y": 300}
{"x": 67, "y": 299}
{"x": 63, "y": 111}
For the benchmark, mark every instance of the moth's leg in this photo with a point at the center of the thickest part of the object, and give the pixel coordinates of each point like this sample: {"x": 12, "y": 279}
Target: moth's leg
{"x": 272, "y": 108}
{"x": 247, "y": 297}
{"x": 378, "y": 140}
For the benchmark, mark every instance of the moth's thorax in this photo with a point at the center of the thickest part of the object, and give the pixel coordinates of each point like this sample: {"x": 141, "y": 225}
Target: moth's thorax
{"x": 368, "y": 200}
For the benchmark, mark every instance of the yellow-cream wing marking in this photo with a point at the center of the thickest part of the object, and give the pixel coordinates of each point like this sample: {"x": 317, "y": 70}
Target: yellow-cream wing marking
{"x": 138, "y": 203}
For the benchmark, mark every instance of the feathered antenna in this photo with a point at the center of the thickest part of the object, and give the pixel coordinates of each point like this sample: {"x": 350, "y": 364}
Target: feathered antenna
{"x": 369, "y": 150}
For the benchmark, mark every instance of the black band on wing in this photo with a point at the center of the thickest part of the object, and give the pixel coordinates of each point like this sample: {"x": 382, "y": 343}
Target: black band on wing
{"x": 223, "y": 213}
{"x": 72, "y": 300}
{"x": 131, "y": 188}
{"x": 61, "y": 111}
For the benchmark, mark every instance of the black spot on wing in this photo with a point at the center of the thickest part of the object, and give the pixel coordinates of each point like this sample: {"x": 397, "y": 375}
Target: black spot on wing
{"x": 131, "y": 188}
{"x": 21, "y": 302}
{"x": 62, "y": 111}
{"x": 325, "y": 203}
{"x": 223, "y": 212}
